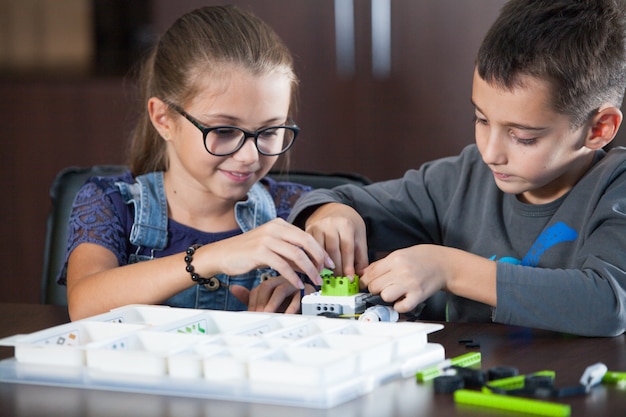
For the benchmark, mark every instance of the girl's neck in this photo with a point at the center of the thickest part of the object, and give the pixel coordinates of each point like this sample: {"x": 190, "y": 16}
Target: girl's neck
{"x": 199, "y": 210}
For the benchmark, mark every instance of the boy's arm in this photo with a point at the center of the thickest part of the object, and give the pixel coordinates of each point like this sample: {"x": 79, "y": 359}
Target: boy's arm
{"x": 587, "y": 301}
{"x": 352, "y": 221}
{"x": 471, "y": 276}
{"x": 397, "y": 213}
{"x": 307, "y": 204}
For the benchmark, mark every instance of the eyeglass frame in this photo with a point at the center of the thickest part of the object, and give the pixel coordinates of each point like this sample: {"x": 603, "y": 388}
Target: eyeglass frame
{"x": 246, "y": 133}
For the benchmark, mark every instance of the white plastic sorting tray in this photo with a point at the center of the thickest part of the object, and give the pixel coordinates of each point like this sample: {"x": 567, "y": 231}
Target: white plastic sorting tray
{"x": 297, "y": 360}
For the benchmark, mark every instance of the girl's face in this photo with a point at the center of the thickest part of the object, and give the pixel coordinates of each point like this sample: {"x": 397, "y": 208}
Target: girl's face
{"x": 238, "y": 99}
{"x": 531, "y": 149}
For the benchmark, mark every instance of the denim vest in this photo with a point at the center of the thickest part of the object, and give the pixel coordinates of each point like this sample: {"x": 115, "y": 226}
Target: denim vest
{"x": 149, "y": 230}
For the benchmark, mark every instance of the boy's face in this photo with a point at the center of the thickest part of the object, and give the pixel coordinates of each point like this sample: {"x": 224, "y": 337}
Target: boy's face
{"x": 531, "y": 149}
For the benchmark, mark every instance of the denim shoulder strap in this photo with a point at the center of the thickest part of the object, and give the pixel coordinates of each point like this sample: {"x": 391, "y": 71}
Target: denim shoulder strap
{"x": 259, "y": 208}
{"x": 150, "y": 223}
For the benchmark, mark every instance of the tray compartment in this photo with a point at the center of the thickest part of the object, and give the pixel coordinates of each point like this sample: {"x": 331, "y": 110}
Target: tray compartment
{"x": 64, "y": 345}
{"x": 142, "y": 353}
{"x": 146, "y": 315}
{"x": 303, "y": 366}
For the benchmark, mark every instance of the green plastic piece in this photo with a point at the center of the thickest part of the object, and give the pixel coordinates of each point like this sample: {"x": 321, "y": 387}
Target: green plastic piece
{"x": 614, "y": 377}
{"x": 338, "y": 286}
{"x": 515, "y": 382}
{"x": 326, "y": 273}
{"x": 510, "y": 403}
{"x": 466, "y": 360}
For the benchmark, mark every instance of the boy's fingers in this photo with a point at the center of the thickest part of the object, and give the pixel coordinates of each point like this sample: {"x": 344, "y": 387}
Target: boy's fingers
{"x": 361, "y": 262}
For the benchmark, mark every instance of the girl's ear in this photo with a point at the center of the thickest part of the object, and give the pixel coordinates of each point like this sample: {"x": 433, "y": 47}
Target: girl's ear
{"x": 160, "y": 117}
{"x": 604, "y": 126}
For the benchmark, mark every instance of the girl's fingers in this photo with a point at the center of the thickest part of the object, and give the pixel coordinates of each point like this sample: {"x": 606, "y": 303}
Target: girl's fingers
{"x": 241, "y": 293}
{"x": 283, "y": 296}
{"x": 302, "y": 251}
{"x": 315, "y": 252}
{"x": 274, "y": 295}
{"x": 294, "y": 305}
{"x": 261, "y": 295}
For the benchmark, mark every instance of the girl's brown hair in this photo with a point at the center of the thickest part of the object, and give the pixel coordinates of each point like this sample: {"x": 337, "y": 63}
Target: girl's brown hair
{"x": 199, "y": 45}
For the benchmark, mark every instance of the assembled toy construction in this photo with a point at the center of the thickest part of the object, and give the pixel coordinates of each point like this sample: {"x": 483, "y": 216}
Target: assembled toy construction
{"x": 341, "y": 297}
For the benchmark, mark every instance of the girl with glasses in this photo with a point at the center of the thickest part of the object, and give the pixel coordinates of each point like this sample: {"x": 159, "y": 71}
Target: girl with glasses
{"x": 196, "y": 216}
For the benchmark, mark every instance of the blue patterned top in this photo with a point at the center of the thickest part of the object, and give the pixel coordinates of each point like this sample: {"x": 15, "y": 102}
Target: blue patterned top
{"x": 100, "y": 216}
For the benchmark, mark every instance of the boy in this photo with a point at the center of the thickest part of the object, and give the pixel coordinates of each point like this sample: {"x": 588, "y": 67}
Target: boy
{"x": 528, "y": 225}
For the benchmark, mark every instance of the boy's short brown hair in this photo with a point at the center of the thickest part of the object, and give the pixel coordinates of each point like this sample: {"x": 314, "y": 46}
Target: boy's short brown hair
{"x": 579, "y": 46}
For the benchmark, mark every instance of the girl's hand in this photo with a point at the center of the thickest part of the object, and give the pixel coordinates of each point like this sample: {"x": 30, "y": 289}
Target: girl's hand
{"x": 276, "y": 244}
{"x": 275, "y": 295}
{"x": 341, "y": 231}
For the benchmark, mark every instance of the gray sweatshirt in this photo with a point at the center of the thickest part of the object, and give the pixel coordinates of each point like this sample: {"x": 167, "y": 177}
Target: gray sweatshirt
{"x": 560, "y": 266}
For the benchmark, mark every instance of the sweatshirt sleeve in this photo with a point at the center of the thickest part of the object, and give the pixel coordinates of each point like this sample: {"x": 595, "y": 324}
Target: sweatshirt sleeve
{"x": 587, "y": 302}
{"x": 400, "y": 212}
{"x": 389, "y": 209}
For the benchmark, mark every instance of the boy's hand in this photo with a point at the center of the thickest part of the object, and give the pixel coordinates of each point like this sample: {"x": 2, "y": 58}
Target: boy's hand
{"x": 340, "y": 230}
{"x": 407, "y": 277}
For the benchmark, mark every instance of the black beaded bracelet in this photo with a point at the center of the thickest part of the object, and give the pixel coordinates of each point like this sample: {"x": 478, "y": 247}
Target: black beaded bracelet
{"x": 191, "y": 250}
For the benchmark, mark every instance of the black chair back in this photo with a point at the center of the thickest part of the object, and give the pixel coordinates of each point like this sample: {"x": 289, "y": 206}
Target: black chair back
{"x": 62, "y": 194}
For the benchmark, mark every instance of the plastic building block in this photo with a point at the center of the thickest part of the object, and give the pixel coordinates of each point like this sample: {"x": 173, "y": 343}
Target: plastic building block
{"x": 612, "y": 377}
{"x": 379, "y": 313}
{"x": 593, "y": 375}
{"x": 466, "y": 360}
{"x": 500, "y": 372}
{"x": 447, "y": 384}
{"x": 473, "y": 378}
{"x": 338, "y": 297}
{"x": 339, "y": 286}
{"x": 514, "y": 382}
{"x": 505, "y": 402}
{"x": 337, "y": 306}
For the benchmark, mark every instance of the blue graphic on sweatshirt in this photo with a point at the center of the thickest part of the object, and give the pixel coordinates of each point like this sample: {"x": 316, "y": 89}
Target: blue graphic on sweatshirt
{"x": 553, "y": 235}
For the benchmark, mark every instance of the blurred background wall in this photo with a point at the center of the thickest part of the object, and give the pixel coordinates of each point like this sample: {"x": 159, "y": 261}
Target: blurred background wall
{"x": 385, "y": 86}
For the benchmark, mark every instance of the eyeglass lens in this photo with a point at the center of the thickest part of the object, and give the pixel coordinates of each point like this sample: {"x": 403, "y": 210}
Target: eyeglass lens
{"x": 270, "y": 141}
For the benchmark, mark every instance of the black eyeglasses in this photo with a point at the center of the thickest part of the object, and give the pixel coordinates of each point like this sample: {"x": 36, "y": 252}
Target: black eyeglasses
{"x": 226, "y": 140}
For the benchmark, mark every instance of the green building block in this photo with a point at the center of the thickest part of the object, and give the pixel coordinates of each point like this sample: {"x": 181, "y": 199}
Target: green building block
{"x": 339, "y": 286}
{"x": 515, "y": 382}
{"x": 510, "y": 403}
{"x": 614, "y": 378}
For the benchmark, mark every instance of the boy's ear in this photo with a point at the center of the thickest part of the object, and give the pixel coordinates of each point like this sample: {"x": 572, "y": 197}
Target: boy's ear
{"x": 160, "y": 117}
{"x": 603, "y": 127}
